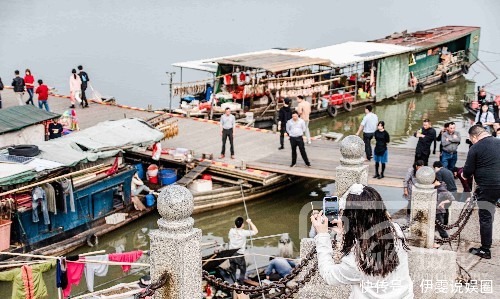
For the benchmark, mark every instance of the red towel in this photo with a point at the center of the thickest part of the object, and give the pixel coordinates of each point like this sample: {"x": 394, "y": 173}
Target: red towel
{"x": 126, "y": 257}
{"x": 74, "y": 272}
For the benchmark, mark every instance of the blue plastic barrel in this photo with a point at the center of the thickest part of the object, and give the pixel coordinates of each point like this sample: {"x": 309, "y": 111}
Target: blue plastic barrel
{"x": 140, "y": 171}
{"x": 167, "y": 176}
{"x": 150, "y": 200}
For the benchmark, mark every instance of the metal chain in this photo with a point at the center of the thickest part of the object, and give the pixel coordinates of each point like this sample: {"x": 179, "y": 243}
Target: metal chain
{"x": 151, "y": 289}
{"x": 465, "y": 211}
{"x": 457, "y": 233}
{"x": 281, "y": 284}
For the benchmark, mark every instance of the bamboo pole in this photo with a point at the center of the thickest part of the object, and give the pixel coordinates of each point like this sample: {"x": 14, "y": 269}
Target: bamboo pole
{"x": 50, "y": 180}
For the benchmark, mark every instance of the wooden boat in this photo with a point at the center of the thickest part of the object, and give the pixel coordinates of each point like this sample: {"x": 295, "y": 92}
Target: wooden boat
{"x": 333, "y": 78}
{"x": 99, "y": 200}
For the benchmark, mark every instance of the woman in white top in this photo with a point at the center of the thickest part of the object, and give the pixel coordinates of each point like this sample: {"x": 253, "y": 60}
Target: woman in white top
{"x": 75, "y": 88}
{"x": 485, "y": 117}
{"x": 375, "y": 258}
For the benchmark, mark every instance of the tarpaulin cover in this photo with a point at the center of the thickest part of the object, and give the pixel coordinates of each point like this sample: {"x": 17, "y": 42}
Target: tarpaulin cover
{"x": 18, "y": 117}
{"x": 15, "y": 173}
{"x": 392, "y": 76}
{"x": 103, "y": 140}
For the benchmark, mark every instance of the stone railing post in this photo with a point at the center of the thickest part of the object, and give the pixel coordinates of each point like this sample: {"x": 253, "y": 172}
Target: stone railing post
{"x": 175, "y": 246}
{"x": 423, "y": 209}
{"x": 351, "y": 170}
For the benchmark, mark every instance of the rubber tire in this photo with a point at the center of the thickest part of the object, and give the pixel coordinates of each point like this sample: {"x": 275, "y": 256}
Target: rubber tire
{"x": 347, "y": 106}
{"x": 24, "y": 150}
{"x": 92, "y": 240}
{"x": 444, "y": 77}
{"x": 332, "y": 111}
{"x": 465, "y": 68}
{"x": 419, "y": 88}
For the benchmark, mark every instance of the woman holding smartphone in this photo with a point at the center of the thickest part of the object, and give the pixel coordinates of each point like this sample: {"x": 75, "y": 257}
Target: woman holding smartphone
{"x": 374, "y": 248}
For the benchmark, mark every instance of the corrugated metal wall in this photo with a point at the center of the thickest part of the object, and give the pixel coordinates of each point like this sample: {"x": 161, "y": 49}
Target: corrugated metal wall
{"x": 474, "y": 45}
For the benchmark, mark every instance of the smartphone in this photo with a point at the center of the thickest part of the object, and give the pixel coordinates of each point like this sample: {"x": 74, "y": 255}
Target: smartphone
{"x": 331, "y": 208}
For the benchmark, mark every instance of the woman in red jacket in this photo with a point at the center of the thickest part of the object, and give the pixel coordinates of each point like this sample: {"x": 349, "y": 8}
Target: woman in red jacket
{"x": 29, "y": 81}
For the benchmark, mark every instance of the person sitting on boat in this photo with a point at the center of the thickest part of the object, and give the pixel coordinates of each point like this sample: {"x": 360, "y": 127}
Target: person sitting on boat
{"x": 138, "y": 186}
{"x": 485, "y": 118}
{"x": 370, "y": 257}
{"x": 283, "y": 264}
{"x": 238, "y": 240}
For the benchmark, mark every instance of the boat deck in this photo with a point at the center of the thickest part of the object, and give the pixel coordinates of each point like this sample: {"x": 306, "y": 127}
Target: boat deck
{"x": 258, "y": 148}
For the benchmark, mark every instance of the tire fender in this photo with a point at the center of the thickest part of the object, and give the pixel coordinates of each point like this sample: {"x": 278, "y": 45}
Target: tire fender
{"x": 347, "y": 106}
{"x": 444, "y": 77}
{"x": 465, "y": 68}
{"x": 332, "y": 111}
{"x": 419, "y": 88}
{"x": 92, "y": 240}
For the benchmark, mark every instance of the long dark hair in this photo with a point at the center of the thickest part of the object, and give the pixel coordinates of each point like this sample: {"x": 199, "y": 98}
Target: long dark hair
{"x": 74, "y": 73}
{"x": 370, "y": 233}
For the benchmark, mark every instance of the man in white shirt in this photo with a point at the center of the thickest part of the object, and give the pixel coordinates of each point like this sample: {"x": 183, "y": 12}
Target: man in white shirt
{"x": 227, "y": 124}
{"x": 238, "y": 240}
{"x": 368, "y": 126}
{"x": 296, "y": 127}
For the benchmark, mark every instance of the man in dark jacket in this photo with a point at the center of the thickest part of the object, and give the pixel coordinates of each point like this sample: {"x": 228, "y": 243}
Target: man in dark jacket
{"x": 285, "y": 114}
{"x": 84, "y": 77}
{"x": 426, "y": 136}
{"x": 18, "y": 85}
{"x": 483, "y": 163}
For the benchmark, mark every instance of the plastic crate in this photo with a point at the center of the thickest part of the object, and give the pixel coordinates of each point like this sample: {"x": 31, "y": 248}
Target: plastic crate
{"x": 116, "y": 218}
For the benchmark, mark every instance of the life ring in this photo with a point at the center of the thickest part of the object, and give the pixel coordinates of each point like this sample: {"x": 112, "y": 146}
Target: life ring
{"x": 347, "y": 106}
{"x": 92, "y": 240}
{"x": 332, "y": 111}
{"x": 419, "y": 88}
{"x": 24, "y": 150}
{"x": 444, "y": 77}
{"x": 465, "y": 68}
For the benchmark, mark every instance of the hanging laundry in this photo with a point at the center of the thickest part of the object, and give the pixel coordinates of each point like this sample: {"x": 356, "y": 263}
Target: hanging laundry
{"x": 60, "y": 197}
{"x": 228, "y": 79}
{"x": 39, "y": 198}
{"x": 125, "y": 257}
{"x": 156, "y": 151}
{"x": 61, "y": 275}
{"x": 92, "y": 269}
{"x": 28, "y": 281}
{"x": 113, "y": 168}
{"x": 68, "y": 190}
{"x": 51, "y": 197}
{"x": 74, "y": 273}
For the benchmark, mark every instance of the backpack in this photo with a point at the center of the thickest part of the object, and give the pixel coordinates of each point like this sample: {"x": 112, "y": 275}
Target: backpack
{"x": 1, "y": 85}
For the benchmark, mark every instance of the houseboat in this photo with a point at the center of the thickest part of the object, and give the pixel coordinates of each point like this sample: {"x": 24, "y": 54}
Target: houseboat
{"x": 333, "y": 78}
{"x": 59, "y": 194}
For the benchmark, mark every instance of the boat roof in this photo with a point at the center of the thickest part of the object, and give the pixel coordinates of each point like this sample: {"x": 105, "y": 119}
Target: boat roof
{"x": 429, "y": 38}
{"x": 353, "y": 52}
{"x": 274, "y": 62}
{"x": 210, "y": 64}
{"x": 18, "y": 117}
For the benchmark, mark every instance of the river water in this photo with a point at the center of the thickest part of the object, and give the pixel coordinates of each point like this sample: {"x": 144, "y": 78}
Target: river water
{"x": 126, "y": 46}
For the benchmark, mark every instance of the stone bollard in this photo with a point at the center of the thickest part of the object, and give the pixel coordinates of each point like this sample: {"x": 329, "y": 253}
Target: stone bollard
{"x": 175, "y": 246}
{"x": 423, "y": 209}
{"x": 352, "y": 170}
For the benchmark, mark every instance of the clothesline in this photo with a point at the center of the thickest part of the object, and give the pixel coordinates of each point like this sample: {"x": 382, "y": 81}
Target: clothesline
{"x": 247, "y": 254}
{"x": 87, "y": 261}
{"x": 48, "y": 257}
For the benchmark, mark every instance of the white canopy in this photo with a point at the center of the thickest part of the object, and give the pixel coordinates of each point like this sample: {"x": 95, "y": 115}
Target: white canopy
{"x": 209, "y": 64}
{"x": 353, "y": 52}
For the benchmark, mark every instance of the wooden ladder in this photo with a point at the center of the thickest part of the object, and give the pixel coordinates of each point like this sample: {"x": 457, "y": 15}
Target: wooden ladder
{"x": 194, "y": 173}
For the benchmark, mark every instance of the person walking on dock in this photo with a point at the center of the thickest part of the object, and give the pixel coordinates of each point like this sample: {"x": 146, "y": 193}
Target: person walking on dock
{"x": 285, "y": 114}
{"x": 380, "y": 153}
{"x": 84, "y": 77}
{"x": 296, "y": 127}
{"x": 368, "y": 126}
{"x": 227, "y": 128}
{"x": 43, "y": 95}
{"x": 304, "y": 110}
{"x": 238, "y": 240}
{"x": 1, "y": 88}
{"x": 426, "y": 136}
{"x": 18, "y": 85}
{"x": 75, "y": 86}
{"x": 29, "y": 80}
{"x": 484, "y": 164}
{"x": 450, "y": 139}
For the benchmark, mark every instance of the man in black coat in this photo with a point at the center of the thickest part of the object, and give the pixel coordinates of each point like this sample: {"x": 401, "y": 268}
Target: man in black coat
{"x": 426, "y": 136}
{"x": 285, "y": 114}
{"x": 484, "y": 164}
